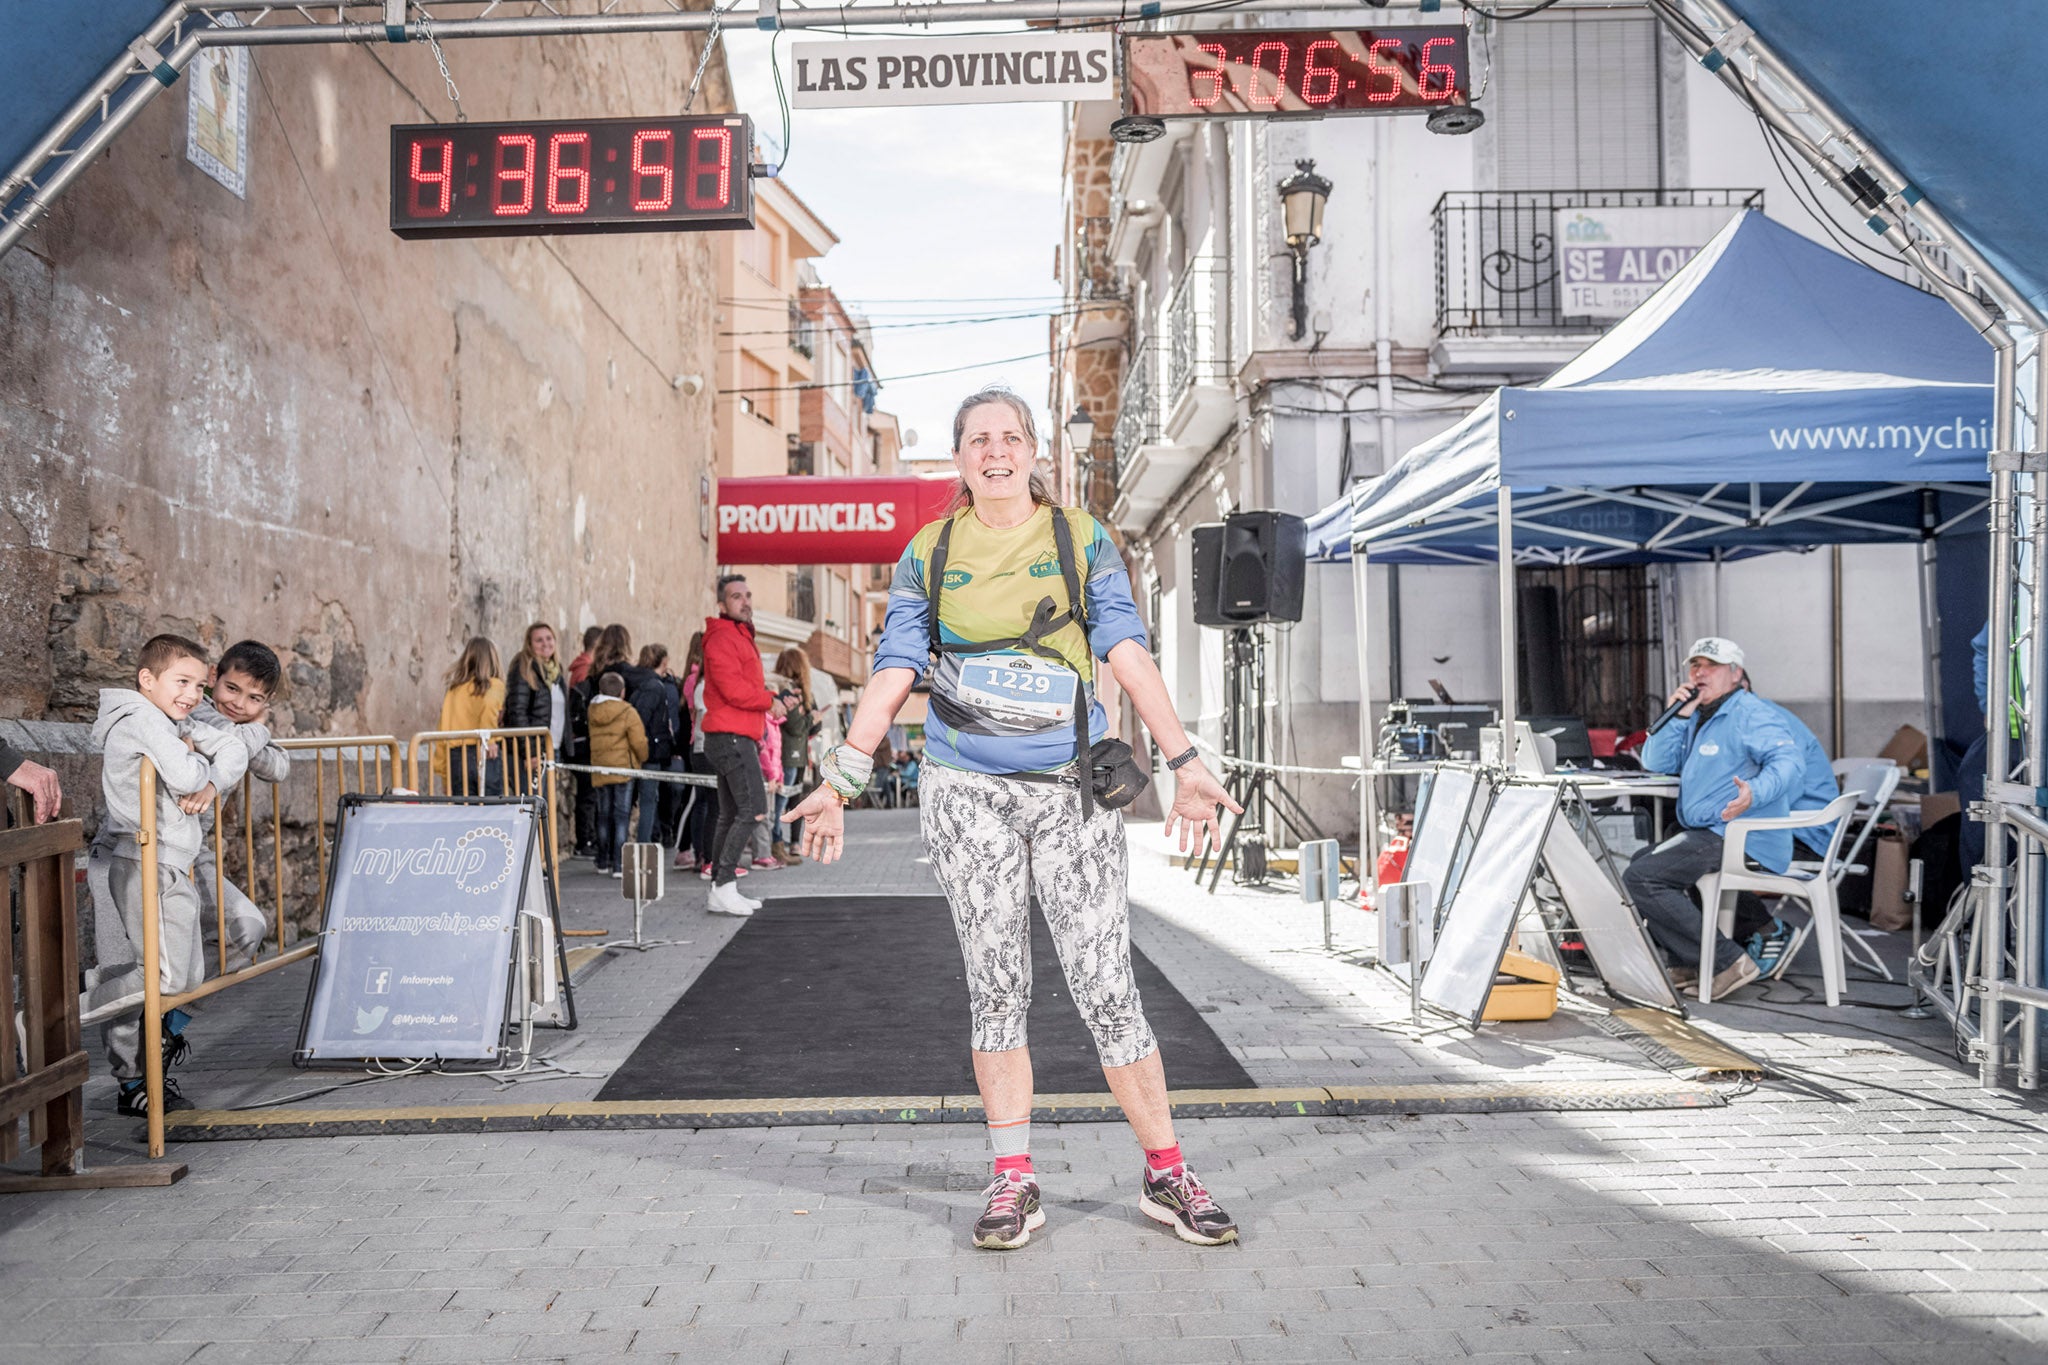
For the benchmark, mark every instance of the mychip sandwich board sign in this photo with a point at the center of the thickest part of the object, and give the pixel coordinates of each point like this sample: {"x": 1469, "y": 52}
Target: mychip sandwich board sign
{"x": 441, "y": 931}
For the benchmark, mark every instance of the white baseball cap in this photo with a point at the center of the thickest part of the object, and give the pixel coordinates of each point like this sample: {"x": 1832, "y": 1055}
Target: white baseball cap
{"x": 1717, "y": 649}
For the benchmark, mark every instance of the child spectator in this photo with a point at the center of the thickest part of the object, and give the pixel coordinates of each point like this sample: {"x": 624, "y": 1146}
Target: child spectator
{"x": 475, "y": 700}
{"x": 153, "y": 723}
{"x": 762, "y": 846}
{"x": 617, "y": 740}
{"x": 244, "y": 681}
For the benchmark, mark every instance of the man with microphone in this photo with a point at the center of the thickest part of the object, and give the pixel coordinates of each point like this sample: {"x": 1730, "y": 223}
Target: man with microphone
{"x": 1734, "y": 756}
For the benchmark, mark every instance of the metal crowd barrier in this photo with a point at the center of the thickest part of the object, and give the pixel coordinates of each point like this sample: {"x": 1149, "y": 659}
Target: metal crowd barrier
{"x": 526, "y": 758}
{"x": 375, "y": 761}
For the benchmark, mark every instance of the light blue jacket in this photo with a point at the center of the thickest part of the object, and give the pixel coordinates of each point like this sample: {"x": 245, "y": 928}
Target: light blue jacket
{"x": 1745, "y": 738}
{"x": 1820, "y": 785}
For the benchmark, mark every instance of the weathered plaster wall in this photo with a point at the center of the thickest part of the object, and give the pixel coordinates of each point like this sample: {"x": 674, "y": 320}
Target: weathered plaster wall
{"x": 271, "y": 417}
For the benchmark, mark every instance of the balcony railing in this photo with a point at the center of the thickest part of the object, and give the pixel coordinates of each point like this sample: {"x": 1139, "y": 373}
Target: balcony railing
{"x": 1496, "y": 253}
{"x": 1137, "y": 412}
{"x": 803, "y": 332}
{"x": 1195, "y": 321}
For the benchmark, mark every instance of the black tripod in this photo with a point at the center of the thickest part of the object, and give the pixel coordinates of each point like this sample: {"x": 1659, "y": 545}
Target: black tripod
{"x": 1260, "y": 791}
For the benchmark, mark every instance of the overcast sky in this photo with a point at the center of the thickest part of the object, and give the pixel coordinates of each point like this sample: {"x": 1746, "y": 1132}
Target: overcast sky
{"x": 943, "y": 212}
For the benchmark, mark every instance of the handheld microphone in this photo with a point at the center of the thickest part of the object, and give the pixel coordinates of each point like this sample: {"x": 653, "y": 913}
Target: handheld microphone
{"x": 1690, "y": 694}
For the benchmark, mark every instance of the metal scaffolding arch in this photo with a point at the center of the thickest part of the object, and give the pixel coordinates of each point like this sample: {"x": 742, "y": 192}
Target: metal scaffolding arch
{"x": 1987, "y": 954}
{"x": 159, "y": 55}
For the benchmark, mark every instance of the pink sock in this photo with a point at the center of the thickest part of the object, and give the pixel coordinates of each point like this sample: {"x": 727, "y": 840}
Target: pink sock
{"x": 1162, "y": 1159}
{"x": 1020, "y": 1163}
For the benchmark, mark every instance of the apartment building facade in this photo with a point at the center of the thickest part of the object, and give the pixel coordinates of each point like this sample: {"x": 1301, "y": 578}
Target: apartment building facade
{"x": 796, "y": 396}
{"x": 1434, "y": 281}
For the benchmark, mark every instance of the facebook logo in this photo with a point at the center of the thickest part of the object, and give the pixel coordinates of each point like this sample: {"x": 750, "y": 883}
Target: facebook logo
{"x": 379, "y": 982}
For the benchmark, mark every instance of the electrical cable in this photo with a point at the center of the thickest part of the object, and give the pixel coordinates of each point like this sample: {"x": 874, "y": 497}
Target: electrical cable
{"x": 1500, "y": 18}
{"x": 921, "y": 374}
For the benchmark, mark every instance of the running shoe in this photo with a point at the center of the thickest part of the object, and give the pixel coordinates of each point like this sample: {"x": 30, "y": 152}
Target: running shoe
{"x": 1768, "y": 945}
{"x": 132, "y": 1100}
{"x": 1178, "y": 1200}
{"x": 727, "y": 900}
{"x": 768, "y": 863}
{"x": 1013, "y": 1213}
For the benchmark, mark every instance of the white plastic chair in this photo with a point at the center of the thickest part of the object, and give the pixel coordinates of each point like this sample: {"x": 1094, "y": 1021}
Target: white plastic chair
{"x": 1816, "y": 888}
{"x": 1873, "y": 780}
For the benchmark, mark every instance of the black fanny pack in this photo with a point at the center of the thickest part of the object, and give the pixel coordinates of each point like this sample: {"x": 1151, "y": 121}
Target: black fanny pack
{"x": 1115, "y": 775}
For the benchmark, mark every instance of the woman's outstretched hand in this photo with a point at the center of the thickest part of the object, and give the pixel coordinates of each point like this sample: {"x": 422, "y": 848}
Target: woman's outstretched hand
{"x": 1196, "y": 794}
{"x": 824, "y": 824}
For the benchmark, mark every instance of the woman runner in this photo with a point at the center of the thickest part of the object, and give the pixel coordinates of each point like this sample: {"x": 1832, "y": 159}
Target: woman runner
{"x": 998, "y": 819}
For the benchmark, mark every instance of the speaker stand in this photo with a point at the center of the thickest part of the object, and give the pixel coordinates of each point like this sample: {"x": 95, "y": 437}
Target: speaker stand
{"x": 1262, "y": 793}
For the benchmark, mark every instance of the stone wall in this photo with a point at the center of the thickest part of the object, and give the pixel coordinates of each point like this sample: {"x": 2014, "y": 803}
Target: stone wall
{"x": 270, "y": 417}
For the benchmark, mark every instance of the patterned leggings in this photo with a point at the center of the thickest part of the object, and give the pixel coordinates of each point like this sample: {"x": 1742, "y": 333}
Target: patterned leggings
{"x": 995, "y": 840}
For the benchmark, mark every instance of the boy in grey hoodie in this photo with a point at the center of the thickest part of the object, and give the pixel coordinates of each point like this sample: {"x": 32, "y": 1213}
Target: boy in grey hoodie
{"x": 244, "y": 681}
{"x": 192, "y": 762}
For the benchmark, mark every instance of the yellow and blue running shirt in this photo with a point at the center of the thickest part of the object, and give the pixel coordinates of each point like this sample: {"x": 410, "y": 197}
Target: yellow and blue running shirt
{"x": 994, "y": 582}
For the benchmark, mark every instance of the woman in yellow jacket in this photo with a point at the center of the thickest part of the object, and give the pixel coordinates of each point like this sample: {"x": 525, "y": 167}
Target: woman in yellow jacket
{"x": 475, "y": 700}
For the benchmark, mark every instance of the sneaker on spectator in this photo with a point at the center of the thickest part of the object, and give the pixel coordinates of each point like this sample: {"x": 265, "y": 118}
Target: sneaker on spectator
{"x": 132, "y": 1099}
{"x": 704, "y": 872}
{"x": 619, "y": 872}
{"x": 1682, "y": 978}
{"x": 727, "y": 900}
{"x": 1013, "y": 1213}
{"x": 1736, "y": 975}
{"x": 1768, "y": 945}
{"x": 685, "y": 860}
{"x": 766, "y": 864}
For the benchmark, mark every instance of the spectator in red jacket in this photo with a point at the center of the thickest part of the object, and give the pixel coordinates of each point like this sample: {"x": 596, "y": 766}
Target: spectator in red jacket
{"x": 737, "y": 704}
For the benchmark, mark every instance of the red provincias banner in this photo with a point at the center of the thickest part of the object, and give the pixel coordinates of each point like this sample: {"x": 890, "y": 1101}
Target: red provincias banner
{"x": 807, "y": 520}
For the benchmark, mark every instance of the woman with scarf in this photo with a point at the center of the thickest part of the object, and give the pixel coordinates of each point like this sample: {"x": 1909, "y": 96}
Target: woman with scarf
{"x": 536, "y": 693}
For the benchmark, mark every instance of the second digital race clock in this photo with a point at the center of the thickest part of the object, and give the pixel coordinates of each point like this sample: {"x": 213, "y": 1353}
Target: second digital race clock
{"x": 1253, "y": 72}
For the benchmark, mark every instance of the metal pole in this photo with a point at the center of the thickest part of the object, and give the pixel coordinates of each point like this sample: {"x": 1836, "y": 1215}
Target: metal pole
{"x": 1930, "y": 636}
{"x": 1991, "y": 874}
{"x": 2032, "y": 865}
{"x": 1510, "y": 703}
{"x": 1368, "y": 784}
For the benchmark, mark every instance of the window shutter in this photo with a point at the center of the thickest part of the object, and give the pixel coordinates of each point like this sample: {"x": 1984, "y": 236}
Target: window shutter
{"x": 1578, "y": 104}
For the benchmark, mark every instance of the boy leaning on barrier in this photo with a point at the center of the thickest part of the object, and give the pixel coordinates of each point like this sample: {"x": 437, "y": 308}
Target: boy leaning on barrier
{"x": 244, "y": 682}
{"x": 193, "y": 761}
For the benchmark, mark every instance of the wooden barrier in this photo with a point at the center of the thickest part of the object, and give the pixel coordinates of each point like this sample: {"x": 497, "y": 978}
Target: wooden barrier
{"x": 43, "y": 986}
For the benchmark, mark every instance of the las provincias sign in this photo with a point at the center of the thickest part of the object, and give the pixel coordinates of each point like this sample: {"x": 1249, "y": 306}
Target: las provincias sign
{"x": 992, "y": 69}
{"x": 803, "y": 520}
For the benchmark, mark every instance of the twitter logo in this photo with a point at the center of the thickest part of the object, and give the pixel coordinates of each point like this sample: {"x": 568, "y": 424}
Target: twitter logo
{"x": 367, "y": 1021}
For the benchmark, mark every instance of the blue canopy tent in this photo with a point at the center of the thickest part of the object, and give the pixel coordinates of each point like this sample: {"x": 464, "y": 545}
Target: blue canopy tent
{"x": 1772, "y": 395}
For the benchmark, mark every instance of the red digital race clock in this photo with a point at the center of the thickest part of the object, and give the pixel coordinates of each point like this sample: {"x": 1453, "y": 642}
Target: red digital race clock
{"x": 582, "y": 175}
{"x": 1254, "y": 72}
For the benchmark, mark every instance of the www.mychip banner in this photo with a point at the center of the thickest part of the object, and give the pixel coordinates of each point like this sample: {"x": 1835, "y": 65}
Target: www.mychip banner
{"x": 421, "y": 931}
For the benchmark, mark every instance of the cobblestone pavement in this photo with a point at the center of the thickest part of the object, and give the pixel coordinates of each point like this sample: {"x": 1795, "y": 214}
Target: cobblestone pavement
{"x": 1866, "y": 1203}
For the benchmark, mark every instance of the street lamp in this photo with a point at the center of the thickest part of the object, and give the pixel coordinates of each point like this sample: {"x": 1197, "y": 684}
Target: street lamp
{"x": 1081, "y": 433}
{"x": 1302, "y": 196}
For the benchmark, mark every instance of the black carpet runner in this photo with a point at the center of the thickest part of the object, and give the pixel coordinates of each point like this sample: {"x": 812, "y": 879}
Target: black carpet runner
{"x": 820, "y": 996}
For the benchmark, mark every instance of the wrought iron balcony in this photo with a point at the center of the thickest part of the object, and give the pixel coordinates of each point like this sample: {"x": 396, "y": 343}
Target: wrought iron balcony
{"x": 1195, "y": 324}
{"x": 1496, "y": 253}
{"x": 1137, "y": 411}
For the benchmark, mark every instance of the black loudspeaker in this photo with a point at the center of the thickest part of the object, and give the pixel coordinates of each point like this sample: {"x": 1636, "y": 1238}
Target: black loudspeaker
{"x": 1208, "y": 589}
{"x": 1263, "y": 568}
